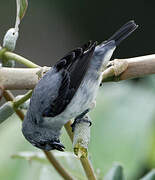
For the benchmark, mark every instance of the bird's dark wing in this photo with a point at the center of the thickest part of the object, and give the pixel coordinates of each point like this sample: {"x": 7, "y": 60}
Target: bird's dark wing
{"x": 72, "y": 68}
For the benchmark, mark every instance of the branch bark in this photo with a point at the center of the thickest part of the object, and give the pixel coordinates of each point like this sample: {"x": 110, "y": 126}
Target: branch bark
{"x": 123, "y": 69}
{"x": 18, "y": 78}
{"x": 139, "y": 66}
{"x": 86, "y": 163}
{"x": 27, "y": 78}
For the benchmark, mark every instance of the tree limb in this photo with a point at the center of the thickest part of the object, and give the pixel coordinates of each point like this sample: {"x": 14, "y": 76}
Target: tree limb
{"x": 87, "y": 166}
{"x": 27, "y": 78}
{"x": 123, "y": 69}
{"x": 139, "y": 66}
{"x": 18, "y": 78}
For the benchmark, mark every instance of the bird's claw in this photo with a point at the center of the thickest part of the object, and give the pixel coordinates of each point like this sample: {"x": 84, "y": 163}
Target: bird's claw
{"x": 58, "y": 146}
{"x": 79, "y": 120}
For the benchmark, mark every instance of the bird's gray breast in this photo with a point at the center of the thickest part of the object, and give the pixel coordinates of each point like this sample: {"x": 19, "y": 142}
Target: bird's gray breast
{"x": 82, "y": 100}
{"x": 85, "y": 95}
{"x": 45, "y": 92}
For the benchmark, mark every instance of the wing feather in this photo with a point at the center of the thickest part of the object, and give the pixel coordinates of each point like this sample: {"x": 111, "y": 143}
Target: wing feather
{"x": 72, "y": 68}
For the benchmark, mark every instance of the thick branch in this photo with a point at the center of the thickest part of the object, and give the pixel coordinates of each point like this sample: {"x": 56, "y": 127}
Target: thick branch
{"x": 27, "y": 78}
{"x": 18, "y": 78}
{"x": 123, "y": 69}
{"x": 139, "y": 66}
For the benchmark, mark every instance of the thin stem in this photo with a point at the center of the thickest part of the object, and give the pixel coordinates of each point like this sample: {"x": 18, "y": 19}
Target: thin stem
{"x": 17, "y": 103}
{"x": 10, "y": 55}
{"x": 87, "y": 166}
{"x": 2, "y": 51}
{"x": 57, "y": 165}
{"x": 69, "y": 129}
{"x": 9, "y": 97}
{"x": 20, "y": 114}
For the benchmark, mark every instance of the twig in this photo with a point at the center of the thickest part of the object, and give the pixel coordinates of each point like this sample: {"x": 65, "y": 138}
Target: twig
{"x": 17, "y": 103}
{"x": 87, "y": 166}
{"x": 84, "y": 160}
{"x": 69, "y": 129}
{"x": 57, "y": 165}
{"x": 10, "y": 55}
{"x": 9, "y": 97}
{"x": 81, "y": 137}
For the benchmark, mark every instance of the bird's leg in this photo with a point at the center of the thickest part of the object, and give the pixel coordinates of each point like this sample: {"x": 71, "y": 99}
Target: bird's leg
{"x": 81, "y": 118}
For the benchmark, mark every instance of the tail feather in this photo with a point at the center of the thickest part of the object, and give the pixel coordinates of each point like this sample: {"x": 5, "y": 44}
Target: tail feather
{"x": 123, "y": 32}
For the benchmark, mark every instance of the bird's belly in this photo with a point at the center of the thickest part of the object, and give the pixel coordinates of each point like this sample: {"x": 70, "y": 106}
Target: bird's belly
{"x": 83, "y": 99}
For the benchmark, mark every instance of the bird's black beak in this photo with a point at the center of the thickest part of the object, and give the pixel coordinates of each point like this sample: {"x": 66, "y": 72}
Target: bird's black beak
{"x": 58, "y": 146}
{"x": 49, "y": 145}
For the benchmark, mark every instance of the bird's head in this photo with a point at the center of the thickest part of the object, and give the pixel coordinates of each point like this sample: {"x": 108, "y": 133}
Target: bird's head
{"x": 40, "y": 136}
{"x": 47, "y": 145}
{"x": 43, "y": 141}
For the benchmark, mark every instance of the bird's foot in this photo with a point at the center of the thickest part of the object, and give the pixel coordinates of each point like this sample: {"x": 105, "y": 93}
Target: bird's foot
{"x": 82, "y": 114}
{"x": 76, "y": 121}
{"x": 81, "y": 118}
{"x": 58, "y": 146}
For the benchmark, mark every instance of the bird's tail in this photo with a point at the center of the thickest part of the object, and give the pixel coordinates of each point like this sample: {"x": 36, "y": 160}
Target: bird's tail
{"x": 123, "y": 32}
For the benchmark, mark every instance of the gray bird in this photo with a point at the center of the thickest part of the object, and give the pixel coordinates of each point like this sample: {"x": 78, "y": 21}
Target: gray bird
{"x": 68, "y": 90}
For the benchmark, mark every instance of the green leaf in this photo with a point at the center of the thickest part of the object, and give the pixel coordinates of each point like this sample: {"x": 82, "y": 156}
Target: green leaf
{"x": 21, "y": 10}
{"x": 22, "y": 5}
{"x": 115, "y": 173}
{"x": 149, "y": 176}
{"x": 6, "y": 110}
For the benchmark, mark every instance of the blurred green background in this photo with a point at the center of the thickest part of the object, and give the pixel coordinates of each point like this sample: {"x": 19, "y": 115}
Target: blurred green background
{"x": 124, "y": 118}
